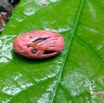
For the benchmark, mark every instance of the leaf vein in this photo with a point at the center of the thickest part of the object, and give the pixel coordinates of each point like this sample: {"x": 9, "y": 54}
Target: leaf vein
{"x": 68, "y": 92}
{"x": 91, "y": 50}
{"x": 97, "y": 4}
{"x": 28, "y": 88}
{"x": 68, "y": 49}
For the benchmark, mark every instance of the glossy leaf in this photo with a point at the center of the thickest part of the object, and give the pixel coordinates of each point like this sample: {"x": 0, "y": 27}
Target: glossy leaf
{"x": 76, "y": 75}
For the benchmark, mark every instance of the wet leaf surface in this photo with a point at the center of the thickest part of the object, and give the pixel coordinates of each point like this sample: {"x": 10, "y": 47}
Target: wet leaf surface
{"x": 76, "y": 75}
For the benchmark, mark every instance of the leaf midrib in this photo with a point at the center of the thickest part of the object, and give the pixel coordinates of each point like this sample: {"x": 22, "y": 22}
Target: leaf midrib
{"x": 68, "y": 49}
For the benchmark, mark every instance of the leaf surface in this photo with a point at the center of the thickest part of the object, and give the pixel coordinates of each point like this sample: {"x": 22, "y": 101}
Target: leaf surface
{"x": 76, "y": 75}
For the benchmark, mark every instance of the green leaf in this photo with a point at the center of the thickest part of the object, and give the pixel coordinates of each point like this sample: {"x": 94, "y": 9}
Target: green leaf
{"x": 76, "y": 75}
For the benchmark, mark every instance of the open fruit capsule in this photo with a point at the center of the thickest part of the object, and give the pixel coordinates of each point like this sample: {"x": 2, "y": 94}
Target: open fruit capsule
{"x": 38, "y": 44}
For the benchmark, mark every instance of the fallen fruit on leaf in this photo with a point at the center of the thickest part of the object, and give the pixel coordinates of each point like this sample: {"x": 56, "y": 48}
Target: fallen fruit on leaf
{"x": 39, "y": 44}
